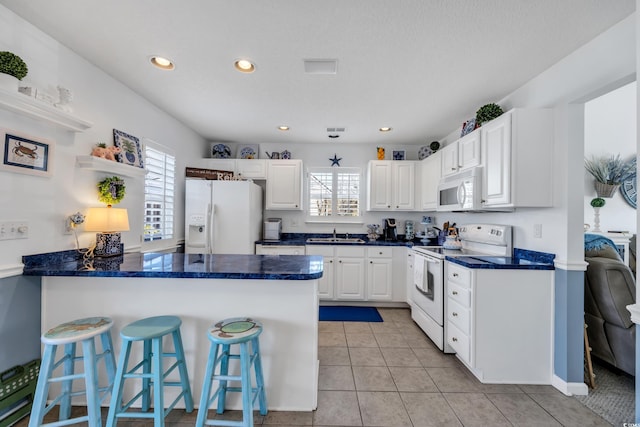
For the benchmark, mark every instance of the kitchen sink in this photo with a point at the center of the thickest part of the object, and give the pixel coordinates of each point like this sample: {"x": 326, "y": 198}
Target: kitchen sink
{"x": 334, "y": 240}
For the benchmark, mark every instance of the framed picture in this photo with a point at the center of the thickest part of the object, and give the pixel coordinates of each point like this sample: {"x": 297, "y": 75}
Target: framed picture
{"x": 248, "y": 151}
{"x": 130, "y": 149}
{"x": 219, "y": 150}
{"x": 399, "y": 155}
{"x": 468, "y": 127}
{"x": 26, "y": 154}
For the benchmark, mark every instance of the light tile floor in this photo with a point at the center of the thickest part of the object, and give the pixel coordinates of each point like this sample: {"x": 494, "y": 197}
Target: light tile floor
{"x": 390, "y": 374}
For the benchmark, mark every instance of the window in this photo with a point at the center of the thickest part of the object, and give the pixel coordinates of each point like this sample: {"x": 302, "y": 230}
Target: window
{"x": 334, "y": 193}
{"x": 158, "y": 194}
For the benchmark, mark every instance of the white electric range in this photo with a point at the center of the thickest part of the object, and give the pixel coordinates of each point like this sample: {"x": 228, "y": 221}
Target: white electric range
{"x": 428, "y": 306}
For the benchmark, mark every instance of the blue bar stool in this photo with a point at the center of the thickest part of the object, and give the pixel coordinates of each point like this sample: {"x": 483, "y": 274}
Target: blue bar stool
{"x": 151, "y": 332}
{"x": 68, "y": 334}
{"x": 241, "y": 331}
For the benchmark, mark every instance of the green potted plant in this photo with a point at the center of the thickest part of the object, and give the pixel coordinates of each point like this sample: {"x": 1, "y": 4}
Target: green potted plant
{"x": 597, "y": 203}
{"x": 487, "y": 113}
{"x": 12, "y": 70}
{"x": 609, "y": 173}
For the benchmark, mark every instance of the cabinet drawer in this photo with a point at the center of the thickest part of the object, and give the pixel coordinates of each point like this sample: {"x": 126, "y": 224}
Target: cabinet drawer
{"x": 349, "y": 251}
{"x": 459, "y": 274}
{"x": 459, "y": 294}
{"x": 323, "y": 250}
{"x": 459, "y": 315}
{"x": 380, "y": 252}
{"x": 460, "y": 343}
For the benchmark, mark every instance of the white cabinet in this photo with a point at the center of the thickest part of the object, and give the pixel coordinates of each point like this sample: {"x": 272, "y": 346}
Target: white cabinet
{"x": 499, "y": 322}
{"x": 251, "y": 168}
{"x": 428, "y": 183}
{"x": 391, "y": 185}
{"x": 349, "y": 273}
{"x": 517, "y": 155}
{"x": 379, "y": 273}
{"x": 284, "y": 185}
{"x": 279, "y": 250}
{"x": 244, "y": 168}
{"x": 461, "y": 154}
{"x": 326, "y": 284}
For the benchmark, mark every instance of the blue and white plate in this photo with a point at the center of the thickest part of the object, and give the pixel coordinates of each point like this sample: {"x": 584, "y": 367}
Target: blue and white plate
{"x": 424, "y": 152}
{"x": 220, "y": 151}
{"x": 248, "y": 153}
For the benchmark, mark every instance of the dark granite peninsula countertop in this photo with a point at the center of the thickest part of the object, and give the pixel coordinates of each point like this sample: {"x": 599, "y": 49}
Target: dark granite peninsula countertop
{"x": 521, "y": 260}
{"x": 177, "y": 265}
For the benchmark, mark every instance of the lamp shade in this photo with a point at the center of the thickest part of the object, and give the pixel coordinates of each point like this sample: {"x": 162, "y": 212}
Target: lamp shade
{"x": 107, "y": 219}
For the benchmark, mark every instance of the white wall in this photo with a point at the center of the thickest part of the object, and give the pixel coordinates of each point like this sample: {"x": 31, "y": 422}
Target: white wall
{"x": 610, "y": 129}
{"x": 98, "y": 98}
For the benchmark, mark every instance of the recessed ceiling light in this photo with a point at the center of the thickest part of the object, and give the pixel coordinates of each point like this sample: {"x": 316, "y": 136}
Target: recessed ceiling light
{"x": 244, "y": 66}
{"x": 162, "y": 63}
{"x": 283, "y": 128}
{"x": 385, "y": 129}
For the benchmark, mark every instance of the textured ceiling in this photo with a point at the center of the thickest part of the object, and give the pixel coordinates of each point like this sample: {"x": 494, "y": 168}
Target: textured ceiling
{"x": 419, "y": 66}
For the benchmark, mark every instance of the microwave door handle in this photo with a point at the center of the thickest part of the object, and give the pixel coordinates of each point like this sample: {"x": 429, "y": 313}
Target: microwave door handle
{"x": 461, "y": 194}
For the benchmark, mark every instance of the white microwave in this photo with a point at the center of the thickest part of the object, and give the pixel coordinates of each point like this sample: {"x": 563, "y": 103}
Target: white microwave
{"x": 461, "y": 191}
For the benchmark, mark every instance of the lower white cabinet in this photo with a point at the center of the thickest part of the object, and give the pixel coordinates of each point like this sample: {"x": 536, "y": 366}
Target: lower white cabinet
{"x": 379, "y": 273}
{"x": 361, "y": 273}
{"x": 499, "y": 322}
{"x": 279, "y": 250}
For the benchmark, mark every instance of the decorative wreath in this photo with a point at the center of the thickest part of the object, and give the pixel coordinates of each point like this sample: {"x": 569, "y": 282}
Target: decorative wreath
{"x": 111, "y": 190}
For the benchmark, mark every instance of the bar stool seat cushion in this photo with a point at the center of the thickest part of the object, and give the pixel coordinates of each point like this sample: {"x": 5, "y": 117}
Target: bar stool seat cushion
{"x": 151, "y": 327}
{"x": 235, "y": 330}
{"x": 76, "y": 330}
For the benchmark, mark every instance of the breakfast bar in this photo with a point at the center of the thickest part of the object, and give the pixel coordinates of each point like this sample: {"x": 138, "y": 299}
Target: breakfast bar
{"x": 278, "y": 290}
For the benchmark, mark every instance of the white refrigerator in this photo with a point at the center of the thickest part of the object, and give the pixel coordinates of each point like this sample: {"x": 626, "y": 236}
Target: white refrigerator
{"x": 222, "y": 217}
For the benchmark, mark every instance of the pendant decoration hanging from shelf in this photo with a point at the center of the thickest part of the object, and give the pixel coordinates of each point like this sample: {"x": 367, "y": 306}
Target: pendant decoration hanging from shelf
{"x": 336, "y": 160}
{"x": 111, "y": 190}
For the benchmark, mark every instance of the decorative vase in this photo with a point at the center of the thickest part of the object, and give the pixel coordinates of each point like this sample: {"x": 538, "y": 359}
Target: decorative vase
{"x": 605, "y": 190}
{"x": 9, "y": 83}
{"x": 596, "y": 219}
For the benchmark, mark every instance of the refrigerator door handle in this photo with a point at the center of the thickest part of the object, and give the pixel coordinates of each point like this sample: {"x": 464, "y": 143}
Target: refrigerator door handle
{"x": 212, "y": 224}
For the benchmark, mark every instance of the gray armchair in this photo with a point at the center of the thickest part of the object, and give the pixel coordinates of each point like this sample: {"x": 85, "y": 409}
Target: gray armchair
{"x": 609, "y": 288}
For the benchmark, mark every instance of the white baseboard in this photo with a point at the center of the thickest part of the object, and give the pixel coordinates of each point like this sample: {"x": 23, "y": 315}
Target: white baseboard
{"x": 570, "y": 389}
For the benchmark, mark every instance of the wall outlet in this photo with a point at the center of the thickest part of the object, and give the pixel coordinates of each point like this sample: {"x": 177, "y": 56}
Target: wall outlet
{"x": 293, "y": 222}
{"x": 537, "y": 231}
{"x": 14, "y": 230}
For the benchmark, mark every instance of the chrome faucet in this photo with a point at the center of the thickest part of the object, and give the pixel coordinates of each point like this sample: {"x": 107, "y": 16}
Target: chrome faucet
{"x": 334, "y": 233}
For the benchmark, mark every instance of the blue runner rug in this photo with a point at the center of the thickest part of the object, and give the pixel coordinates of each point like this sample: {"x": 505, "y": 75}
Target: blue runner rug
{"x": 349, "y": 314}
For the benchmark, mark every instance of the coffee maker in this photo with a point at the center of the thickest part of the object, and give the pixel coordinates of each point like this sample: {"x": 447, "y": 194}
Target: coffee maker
{"x": 389, "y": 229}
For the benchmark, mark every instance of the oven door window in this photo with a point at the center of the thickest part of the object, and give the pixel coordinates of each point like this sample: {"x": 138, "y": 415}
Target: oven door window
{"x": 428, "y": 276}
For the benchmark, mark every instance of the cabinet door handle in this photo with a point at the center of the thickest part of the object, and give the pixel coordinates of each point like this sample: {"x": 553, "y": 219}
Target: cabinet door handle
{"x": 370, "y": 262}
{"x": 454, "y": 314}
{"x": 340, "y": 261}
{"x": 454, "y": 339}
{"x": 331, "y": 262}
{"x": 389, "y": 206}
{"x": 453, "y": 169}
{"x": 454, "y": 292}
{"x": 380, "y": 253}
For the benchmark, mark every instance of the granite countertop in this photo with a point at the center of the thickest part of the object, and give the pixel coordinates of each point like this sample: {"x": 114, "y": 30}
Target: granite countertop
{"x": 300, "y": 239}
{"x": 521, "y": 260}
{"x": 177, "y": 265}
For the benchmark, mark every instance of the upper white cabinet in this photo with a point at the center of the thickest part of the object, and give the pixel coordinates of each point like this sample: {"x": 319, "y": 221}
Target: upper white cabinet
{"x": 251, "y": 168}
{"x": 244, "y": 168}
{"x": 430, "y": 172}
{"x": 391, "y": 185}
{"x": 517, "y": 155}
{"x": 461, "y": 154}
{"x": 284, "y": 185}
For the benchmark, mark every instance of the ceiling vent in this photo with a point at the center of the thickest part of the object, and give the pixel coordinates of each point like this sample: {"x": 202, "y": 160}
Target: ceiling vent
{"x": 335, "y": 132}
{"x": 321, "y": 66}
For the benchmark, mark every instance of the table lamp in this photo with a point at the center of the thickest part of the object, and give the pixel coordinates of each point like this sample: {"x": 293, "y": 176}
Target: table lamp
{"x": 108, "y": 222}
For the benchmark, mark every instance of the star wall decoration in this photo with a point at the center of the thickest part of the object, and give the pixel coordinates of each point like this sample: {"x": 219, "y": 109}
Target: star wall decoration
{"x": 335, "y": 161}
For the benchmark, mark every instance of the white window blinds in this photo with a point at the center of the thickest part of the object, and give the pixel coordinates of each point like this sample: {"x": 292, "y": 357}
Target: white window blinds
{"x": 334, "y": 192}
{"x": 159, "y": 195}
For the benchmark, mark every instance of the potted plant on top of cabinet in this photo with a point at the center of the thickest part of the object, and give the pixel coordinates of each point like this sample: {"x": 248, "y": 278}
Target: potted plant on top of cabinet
{"x": 12, "y": 70}
{"x": 487, "y": 113}
{"x": 609, "y": 173}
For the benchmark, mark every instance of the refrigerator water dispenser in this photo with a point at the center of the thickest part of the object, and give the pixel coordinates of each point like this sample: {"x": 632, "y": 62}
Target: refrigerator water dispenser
{"x": 197, "y": 237}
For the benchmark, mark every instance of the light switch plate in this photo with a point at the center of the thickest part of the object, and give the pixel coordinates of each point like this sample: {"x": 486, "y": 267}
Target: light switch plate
{"x": 11, "y": 230}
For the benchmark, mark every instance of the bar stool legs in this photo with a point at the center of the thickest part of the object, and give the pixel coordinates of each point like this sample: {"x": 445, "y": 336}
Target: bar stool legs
{"x": 151, "y": 332}
{"x": 68, "y": 335}
{"x": 243, "y": 332}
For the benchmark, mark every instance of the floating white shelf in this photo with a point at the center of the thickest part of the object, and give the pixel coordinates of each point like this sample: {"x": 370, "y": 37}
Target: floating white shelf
{"x": 23, "y": 104}
{"x": 104, "y": 165}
